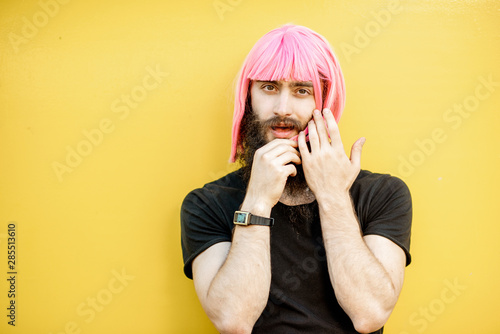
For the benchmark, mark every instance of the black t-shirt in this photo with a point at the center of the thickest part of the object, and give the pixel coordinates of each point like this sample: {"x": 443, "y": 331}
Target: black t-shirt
{"x": 301, "y": 298}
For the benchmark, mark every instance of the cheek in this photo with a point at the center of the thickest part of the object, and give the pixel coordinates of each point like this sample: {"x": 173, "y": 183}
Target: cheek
{"x": 306, "y": 110}
{"x": 262, "y": 107}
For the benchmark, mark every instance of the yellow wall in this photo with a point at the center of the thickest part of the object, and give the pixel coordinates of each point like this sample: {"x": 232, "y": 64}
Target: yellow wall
{"x": 150, "y": 83}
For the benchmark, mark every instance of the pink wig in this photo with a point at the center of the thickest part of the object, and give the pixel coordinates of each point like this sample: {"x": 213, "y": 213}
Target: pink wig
{"x": 290, "y": 52}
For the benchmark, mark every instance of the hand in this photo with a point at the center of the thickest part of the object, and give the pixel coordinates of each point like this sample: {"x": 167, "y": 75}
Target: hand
{"x": 270, "y": 171}
{"x": 328, "y": 170}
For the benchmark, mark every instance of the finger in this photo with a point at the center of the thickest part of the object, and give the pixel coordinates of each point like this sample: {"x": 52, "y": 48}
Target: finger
{"x": 303, "y": 149}
{"x": 288, "y": 157}
{"x": 282, "y": 155}
{"x": 313, "y": 136}
{"x": 306, "y": 132}
{"x": 356, "y": 151}
{"x": 277, "y": 147}
{"x": 291, "y": 170}
{"x": 276, "y": 142}
{"x": 333, "y": 129}
{"x": 321, "y": 127}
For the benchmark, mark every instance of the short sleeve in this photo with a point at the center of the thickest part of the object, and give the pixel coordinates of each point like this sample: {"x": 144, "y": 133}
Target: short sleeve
{"x": 202, "y": 225}
{"x": 385, "y": 208}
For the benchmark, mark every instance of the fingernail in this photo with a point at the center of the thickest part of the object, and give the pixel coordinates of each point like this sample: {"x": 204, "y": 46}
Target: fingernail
{"x": 316, "y": 112}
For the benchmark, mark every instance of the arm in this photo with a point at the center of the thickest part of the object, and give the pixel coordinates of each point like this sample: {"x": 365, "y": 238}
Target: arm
{"x": 366, "y": 272}
{"x": 232, "y": 279}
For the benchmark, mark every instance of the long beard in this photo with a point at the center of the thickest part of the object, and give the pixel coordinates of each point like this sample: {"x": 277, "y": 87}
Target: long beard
{"x": 253, "y": 134}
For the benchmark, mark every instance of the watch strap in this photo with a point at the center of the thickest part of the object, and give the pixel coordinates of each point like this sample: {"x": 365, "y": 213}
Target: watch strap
{"x": 246, "y": 218}
{"x": 258, "y": 220}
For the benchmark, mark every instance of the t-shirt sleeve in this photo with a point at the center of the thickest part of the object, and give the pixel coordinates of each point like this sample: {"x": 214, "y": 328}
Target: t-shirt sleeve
{"x": 203, "y": 224}
{"x": 387, "y": 211}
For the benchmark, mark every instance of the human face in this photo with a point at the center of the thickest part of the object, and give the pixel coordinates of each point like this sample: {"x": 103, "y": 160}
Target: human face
{"x": 284, "y": 107}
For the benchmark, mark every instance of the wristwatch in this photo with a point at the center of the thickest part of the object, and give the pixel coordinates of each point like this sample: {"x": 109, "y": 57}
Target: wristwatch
{"x": 246, "y": 218}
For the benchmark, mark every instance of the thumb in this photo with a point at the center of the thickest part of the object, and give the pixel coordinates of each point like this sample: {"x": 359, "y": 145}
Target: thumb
{"x": 356, "y": 151}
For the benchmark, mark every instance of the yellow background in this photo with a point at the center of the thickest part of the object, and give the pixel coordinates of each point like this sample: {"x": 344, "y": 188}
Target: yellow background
{"x": 118, "y": 209}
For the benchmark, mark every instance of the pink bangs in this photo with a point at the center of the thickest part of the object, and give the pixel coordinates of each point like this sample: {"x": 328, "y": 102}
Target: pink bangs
{"x": 290, "y": 53}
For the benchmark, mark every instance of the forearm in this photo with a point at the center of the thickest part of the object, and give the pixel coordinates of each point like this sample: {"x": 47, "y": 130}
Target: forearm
{"x": 238, "y": 293}
{"x": 362, "y": 285}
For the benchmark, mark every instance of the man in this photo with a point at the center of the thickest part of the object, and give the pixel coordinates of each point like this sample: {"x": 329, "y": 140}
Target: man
{"x": 334, "y": 260}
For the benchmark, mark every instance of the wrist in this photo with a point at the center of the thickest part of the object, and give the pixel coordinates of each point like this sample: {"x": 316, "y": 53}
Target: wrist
{"x": 256, "y": 207}
{"x": 338, "y": 202}
{"x": 338, "y": 218}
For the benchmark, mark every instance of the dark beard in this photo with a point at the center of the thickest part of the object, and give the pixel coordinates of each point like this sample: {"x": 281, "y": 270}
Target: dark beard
{"x": 253, "y": 134}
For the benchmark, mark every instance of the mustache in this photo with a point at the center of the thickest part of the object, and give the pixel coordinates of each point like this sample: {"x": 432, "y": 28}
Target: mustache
{"x": 283, "y": 121}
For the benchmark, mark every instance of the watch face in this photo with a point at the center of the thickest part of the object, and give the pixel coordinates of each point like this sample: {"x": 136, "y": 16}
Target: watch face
{"x": 240, "y": 218}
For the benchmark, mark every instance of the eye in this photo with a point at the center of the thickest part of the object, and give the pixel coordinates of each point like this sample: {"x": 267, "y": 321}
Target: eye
{"x": 268, "y": 88}
{"x": 303, "y": 91}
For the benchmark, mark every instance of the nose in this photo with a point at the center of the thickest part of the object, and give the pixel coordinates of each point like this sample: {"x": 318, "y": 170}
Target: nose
{"x": 283, "y": 106}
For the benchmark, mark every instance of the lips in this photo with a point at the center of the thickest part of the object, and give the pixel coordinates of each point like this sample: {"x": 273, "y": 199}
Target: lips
{"x": 283, "y": 131}
{"x": 281, "y": 127}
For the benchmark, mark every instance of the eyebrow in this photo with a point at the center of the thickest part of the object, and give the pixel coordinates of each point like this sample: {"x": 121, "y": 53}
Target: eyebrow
{"x": 292, "y": 84}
